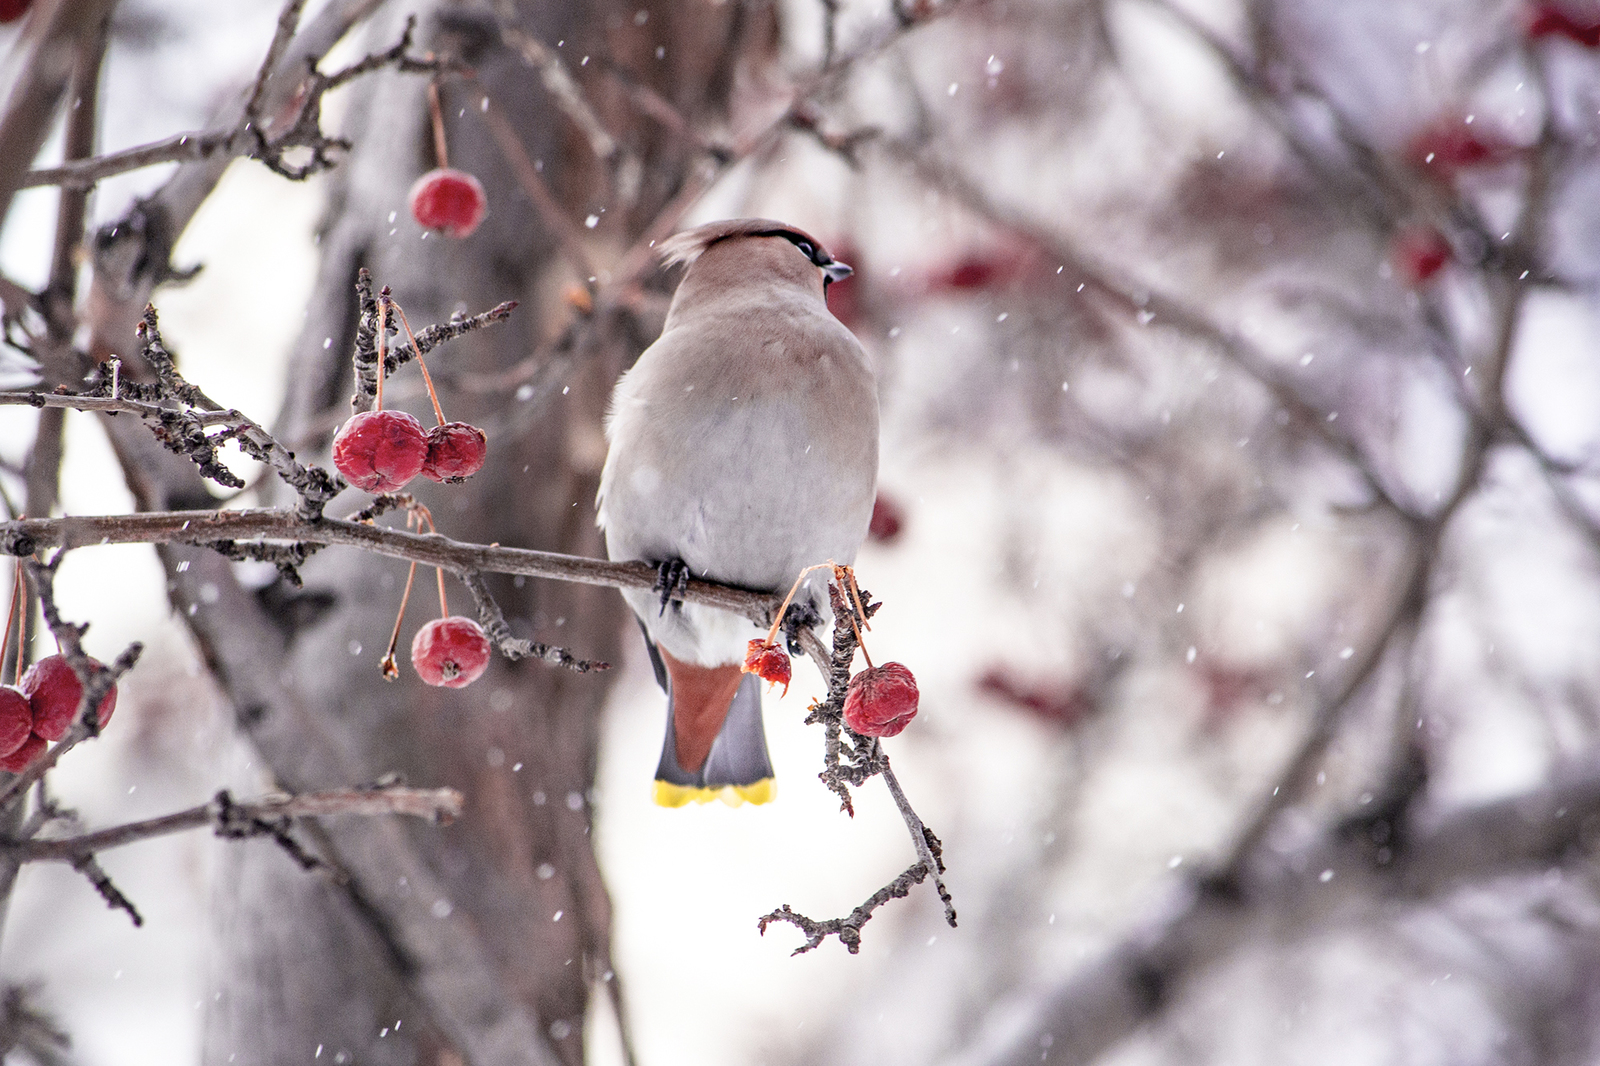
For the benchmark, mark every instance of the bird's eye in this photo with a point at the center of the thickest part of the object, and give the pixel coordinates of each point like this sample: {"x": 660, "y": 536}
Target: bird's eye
{"x": 806, "y": 249}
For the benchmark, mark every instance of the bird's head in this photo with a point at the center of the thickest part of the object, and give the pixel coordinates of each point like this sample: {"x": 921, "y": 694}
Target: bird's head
{"x": 745, "y": 249}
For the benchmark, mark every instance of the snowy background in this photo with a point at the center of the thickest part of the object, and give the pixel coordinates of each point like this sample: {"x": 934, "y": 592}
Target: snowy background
{"x": 1107, "y": 685}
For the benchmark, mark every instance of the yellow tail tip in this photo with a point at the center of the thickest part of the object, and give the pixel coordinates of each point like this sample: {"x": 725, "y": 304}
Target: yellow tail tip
{"x": 668, "y": 794}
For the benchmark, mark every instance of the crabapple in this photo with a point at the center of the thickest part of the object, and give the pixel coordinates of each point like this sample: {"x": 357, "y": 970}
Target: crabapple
{"x": 450, "y": 200}
{"x": 455, "y": 452}
{"x": 888, "y": 519}
{"x": 768, "y": 662}
{"x": 380, "y": 451}
{"x": 54, "y": 691}
{"x": 881, "y": 700}
{"x": 1419, "y": 252}
{"x": 16, "y": 719}
{"x": 23, "y": 757}
{"x": 450, "y": 652}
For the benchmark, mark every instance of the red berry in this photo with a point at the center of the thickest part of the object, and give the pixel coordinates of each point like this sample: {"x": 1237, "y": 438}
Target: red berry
{"x": 23, "y": 757}
{"x": 888, "y": 518}
{"x": 54, "y": 691}
{"x": 12, "y": 10}
{"x": 768, "y": 662}
{"x": 881, "y": 700}
{"x": 1419, "y": 252}
{"x": 16, "y": 719}
{"x": 380, "y": 451}
{"x": 451, "y": 652}
{"x": 1451, "y": 144}
{"x": 448, "y": 199}
{"x": 1060, "y": 703}
{"x": 1553, "y": 20}
{"x": 455, "y": 452}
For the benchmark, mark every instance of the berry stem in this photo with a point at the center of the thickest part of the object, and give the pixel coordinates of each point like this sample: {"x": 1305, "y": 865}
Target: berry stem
{"x": 444, "y": 607}
{"x": 441, "y": 152}
{"x": 427, "y": 378}
{"x": 846, "y": 577}
{"x": 383, "y": 336}
{"x": 772, "y": 634}
{"x": 11, "y": 613}
{"x": 390, "y": 670}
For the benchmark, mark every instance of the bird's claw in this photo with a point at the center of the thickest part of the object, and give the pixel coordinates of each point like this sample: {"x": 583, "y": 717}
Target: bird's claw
{"x": 800, "y": 615}
{"x": 672, "y": 581}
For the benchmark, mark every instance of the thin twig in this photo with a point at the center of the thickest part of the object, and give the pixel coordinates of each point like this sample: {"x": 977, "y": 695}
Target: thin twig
{"x": 494, "y": 624}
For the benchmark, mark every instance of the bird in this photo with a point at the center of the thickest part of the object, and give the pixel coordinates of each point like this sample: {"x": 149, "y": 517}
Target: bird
{"x": 742, "y": 449}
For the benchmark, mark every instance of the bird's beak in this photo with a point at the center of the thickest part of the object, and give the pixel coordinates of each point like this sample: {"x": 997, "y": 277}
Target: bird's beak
{"x": 837, "y": 271}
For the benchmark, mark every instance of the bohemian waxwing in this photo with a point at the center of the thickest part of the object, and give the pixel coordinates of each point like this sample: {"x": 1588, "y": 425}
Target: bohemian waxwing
{"x": 743, "y": 449}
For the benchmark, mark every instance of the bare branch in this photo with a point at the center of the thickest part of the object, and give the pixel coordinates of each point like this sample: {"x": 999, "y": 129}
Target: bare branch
{"x": 27, "y": 536}
{"x": 494, "y": 624}
{"x": 250, "y": 136}
{"x": 97, "y": 876}
{"x": 440, "y": 805}
{"x": 850, "y": 760}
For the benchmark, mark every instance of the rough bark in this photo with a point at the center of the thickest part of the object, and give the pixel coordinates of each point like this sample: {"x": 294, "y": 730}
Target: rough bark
{"x": 485, "y": 938}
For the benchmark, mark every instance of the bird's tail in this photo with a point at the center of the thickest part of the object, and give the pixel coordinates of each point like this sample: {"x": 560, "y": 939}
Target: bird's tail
{"x": 738, "y": 768}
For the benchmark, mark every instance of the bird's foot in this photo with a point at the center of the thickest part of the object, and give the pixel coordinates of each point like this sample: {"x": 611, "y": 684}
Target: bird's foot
{"x": 800, "y": 615}
{"x": 672, "y": 581}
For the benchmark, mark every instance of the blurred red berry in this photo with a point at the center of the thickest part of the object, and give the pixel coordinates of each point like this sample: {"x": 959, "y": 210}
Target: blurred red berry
{"x": 1230, "y": 687}
{"x": 53, "y": 690}
{"x": 1555, "y": 20}
{"x": 450, "y": 200}
{"x": 1418, "y": 253}
{"x": 973, "y": 272}
{"x": 1450, "y": 144}
{"x": 888, "y": 519}
{"x": 12, "y": 10}
{"x": 23, "y": 757}
{"x": 845, "y": 300}
{"x": 881, "y": 700}
{"x": 455, "y": 452}
{"x": 768, "y": 662}
{"x": 450, "y": 652}
{"x": 1061, "y": 704}
{"x": 380, "y": 451}
{"x": 16, "y": 719}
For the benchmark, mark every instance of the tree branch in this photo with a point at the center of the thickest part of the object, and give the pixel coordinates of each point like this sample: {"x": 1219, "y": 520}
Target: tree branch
{"x": 439, "y": 805}
{"x": 27, "y": 536}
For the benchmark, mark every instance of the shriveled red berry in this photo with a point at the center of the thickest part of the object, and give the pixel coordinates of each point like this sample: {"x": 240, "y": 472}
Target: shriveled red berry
{"x": 53, "y": 690}
{"x": 450, "y": 200}
{"x": 23, "y": 757}
{"x": 881, "y": 700}
{"x": 1419, "y": 252}
{"x": 455, "y": 452}
{"x": 450, "y": 652}
{"x": 16, "y": 719}
{"x": 380, "y": 451}
{"x": 12, "y": 10}
{"x": 769, "y": 662}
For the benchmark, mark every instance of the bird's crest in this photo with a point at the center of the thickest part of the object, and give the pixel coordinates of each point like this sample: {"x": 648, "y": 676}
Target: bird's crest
{"x": 684, "y": 248}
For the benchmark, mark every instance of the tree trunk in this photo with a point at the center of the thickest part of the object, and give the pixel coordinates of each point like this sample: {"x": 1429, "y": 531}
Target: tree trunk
{"x": 483, "y": 939}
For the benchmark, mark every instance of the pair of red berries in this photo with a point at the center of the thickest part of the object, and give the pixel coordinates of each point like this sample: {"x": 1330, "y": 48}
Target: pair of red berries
{"x": 880, "y": 702}
{"x": 41, "y": 709}
{"x": 380, "y": 451}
